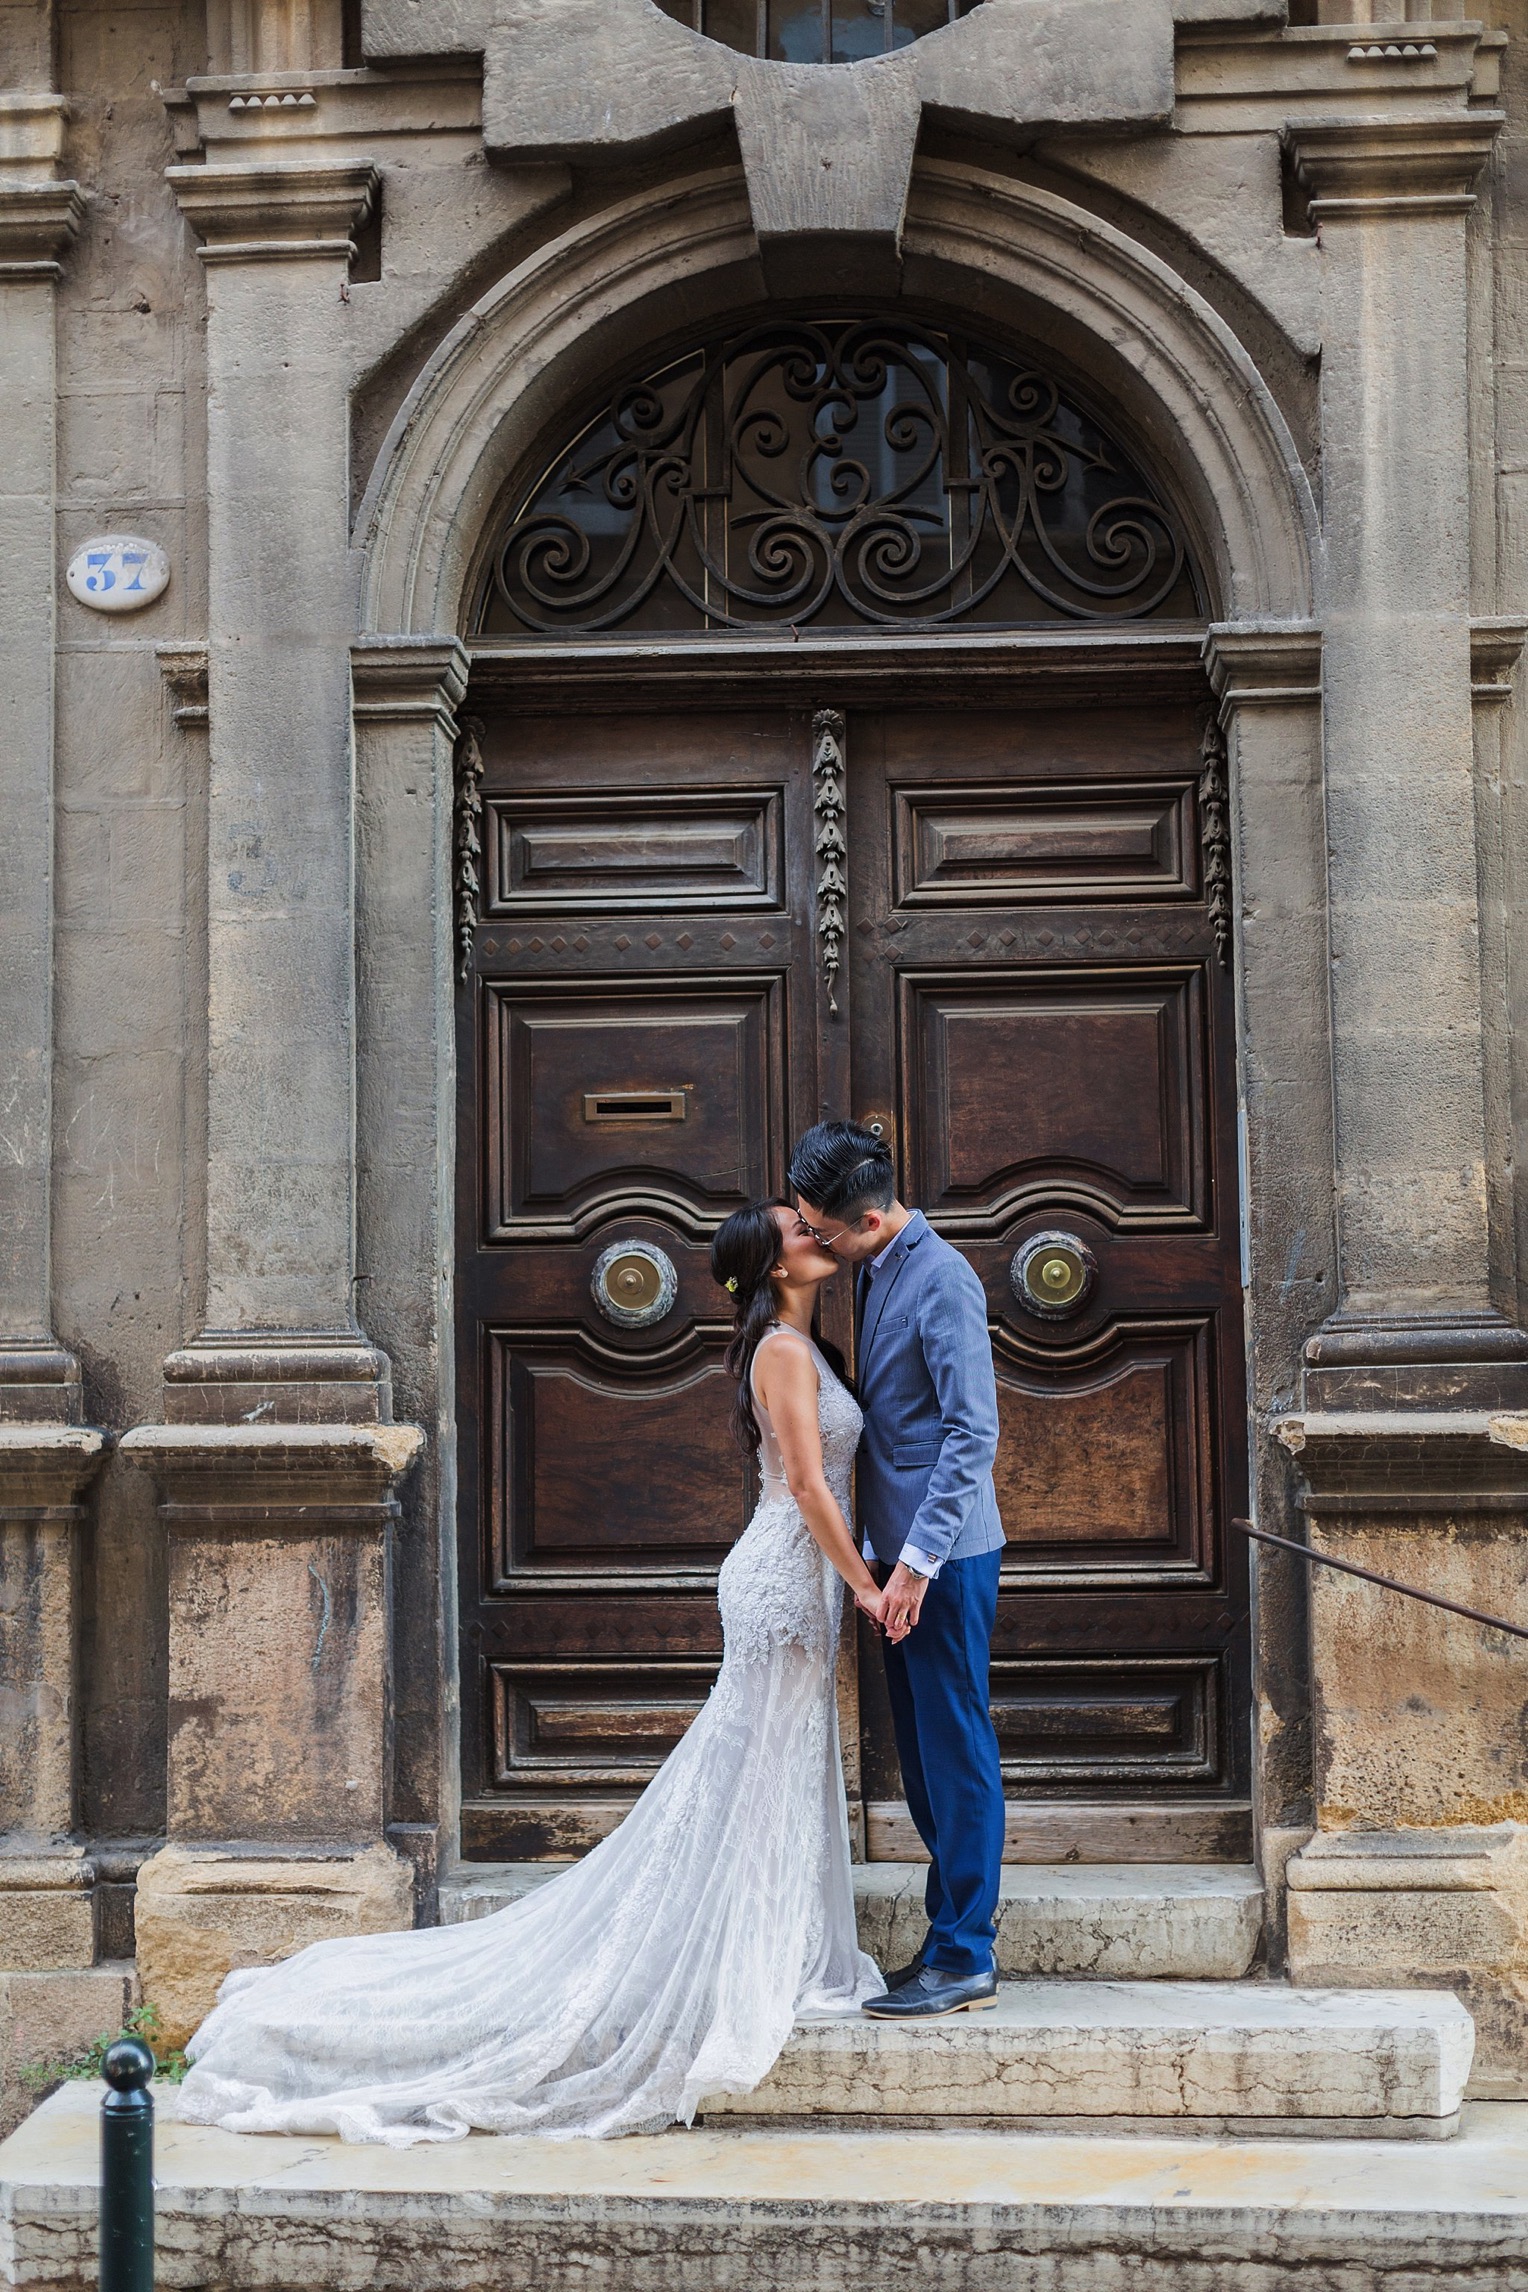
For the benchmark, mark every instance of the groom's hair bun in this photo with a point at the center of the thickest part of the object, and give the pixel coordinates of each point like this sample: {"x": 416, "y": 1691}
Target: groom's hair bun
{"x": 843, "y": 1169}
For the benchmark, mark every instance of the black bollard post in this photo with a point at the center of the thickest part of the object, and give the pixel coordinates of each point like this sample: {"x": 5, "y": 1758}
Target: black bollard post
{"x": 127, "y": 2169}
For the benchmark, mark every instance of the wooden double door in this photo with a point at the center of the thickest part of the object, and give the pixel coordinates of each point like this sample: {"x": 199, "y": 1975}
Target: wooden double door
{"x": 1032, "y": 1006}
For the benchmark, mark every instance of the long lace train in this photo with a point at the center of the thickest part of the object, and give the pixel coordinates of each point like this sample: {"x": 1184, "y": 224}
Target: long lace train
{"x": 668, "y": 1965}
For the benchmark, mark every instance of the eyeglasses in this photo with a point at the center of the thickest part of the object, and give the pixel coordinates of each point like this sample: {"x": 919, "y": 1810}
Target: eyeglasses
{"x": 823, "y": 1241}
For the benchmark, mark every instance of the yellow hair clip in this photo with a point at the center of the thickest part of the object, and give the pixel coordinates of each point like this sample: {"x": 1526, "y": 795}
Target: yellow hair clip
{"x": 731, "y": 1283}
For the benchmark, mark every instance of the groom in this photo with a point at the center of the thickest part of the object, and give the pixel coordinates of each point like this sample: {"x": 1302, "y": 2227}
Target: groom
{"x": 929, "y": 1518}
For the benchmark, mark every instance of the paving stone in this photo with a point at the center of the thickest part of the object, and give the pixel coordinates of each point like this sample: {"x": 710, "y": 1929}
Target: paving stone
{"x": 726, "y": 2210}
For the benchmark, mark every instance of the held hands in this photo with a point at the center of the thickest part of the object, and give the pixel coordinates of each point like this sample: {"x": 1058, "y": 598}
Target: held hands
{"x": 901, "y": 1601}
{"x": 894, "y": 1609}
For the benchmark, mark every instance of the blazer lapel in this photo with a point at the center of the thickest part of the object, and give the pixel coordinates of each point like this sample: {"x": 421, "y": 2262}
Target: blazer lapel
{"x": 881, "y": 1287}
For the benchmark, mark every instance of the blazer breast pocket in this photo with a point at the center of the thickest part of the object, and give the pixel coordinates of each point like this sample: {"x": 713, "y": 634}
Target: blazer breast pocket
{"x": 892, "y": 1321}
{"x": 909, "y": 1455}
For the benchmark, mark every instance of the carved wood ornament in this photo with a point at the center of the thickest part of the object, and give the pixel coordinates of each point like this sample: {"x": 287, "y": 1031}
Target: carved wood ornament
{"x": 467, "y": 840}
{"x": 1215, "y": 837}
{"x": 832, "y": 847}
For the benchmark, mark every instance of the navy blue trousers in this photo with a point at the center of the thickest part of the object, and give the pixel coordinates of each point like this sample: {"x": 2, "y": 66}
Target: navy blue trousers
{"x": 946, "y": 1743}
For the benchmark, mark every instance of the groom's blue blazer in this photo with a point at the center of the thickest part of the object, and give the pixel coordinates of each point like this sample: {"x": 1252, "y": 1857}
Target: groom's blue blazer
{"x": 924, "y": 1371}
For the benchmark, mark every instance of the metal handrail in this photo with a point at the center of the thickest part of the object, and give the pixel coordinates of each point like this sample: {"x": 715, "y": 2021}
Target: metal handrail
{"x": 1387, "y": 1583}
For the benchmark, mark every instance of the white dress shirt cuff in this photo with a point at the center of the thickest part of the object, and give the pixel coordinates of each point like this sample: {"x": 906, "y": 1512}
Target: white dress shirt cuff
{"x": 919, "y": 1562}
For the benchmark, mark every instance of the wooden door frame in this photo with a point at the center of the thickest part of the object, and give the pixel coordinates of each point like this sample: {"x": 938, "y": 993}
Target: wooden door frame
{"x": 1066, "y": 668}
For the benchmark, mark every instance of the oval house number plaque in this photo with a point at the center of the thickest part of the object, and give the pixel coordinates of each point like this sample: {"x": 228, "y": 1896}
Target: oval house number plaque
{"x": 118, "y": 572}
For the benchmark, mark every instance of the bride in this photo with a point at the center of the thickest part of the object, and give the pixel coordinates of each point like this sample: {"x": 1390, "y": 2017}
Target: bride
{"x": 672, "y": 1961}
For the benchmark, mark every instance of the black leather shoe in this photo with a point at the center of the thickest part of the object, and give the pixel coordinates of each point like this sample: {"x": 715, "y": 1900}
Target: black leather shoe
{"x": 903, "y": 1975}
{"x": 931, "y": 1991}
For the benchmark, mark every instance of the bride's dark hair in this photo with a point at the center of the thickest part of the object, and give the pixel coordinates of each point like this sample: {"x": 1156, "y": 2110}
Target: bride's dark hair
{"x": 744, "y": 1252}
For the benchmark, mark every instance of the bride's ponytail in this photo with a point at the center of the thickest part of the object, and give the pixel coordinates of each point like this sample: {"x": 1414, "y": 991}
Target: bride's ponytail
{"x": 744, "y": 1253}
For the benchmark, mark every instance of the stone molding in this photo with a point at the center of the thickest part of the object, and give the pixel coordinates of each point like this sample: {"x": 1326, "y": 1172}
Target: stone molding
{"x": 827, "y": 151}
{"x": 38, "y": 224}
{"x": 685, "y": 255}
{"x": 39, "y": 1382}
{"x": 1392, "y": 166}
{"x": 277, "y": 211}
{"x": 409, "y": 680}
{"x": 1496, "y": 644}
{"x": 1408, "y": 1463}
{"x": 229, "y": 1378}
{"x": 1267, "y": 665}
{"x": 44, "y": 1468}
{"x": 374, "y": 1456}
{"x": 32, "y": 123}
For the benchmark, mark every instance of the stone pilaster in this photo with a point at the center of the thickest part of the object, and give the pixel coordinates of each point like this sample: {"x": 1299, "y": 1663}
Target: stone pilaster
{"x": 1267, "y": 680}
{"x": 1407, "y": 1437}
{"x": 276, "y": 243}
{"x": 277, "y": 1459}
{"x": 1391, "y": 200}
{"x": 407, "y": 690}
{"x": 47, "y": 1457}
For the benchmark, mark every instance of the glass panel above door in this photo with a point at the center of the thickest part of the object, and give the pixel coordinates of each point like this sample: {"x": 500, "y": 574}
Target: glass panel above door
{"x": 816, "y": 31}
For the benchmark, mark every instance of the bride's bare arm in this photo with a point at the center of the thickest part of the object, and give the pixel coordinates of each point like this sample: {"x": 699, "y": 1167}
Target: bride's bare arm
{"x": 787, "y": 1380}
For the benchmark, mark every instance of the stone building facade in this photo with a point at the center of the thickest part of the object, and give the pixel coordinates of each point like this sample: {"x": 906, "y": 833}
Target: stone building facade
{"x": 977, "y": 584}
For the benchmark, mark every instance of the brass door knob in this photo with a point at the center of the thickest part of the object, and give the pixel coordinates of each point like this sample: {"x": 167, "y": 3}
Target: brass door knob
{"x": 634, "y": 1284}
{"x": 1052, "y": 1274}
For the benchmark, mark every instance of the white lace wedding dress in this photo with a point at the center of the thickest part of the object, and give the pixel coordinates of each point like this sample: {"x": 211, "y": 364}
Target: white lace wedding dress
{"x": 668, "y": 1965}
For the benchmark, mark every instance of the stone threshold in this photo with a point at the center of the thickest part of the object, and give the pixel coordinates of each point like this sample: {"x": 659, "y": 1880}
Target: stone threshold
{"x": 725, "y": 2210}
{"x": 1111, "y": 1921}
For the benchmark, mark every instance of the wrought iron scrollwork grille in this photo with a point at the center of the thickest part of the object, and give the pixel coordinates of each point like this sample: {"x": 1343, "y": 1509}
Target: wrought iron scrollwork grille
{"x": 846, "y": 473}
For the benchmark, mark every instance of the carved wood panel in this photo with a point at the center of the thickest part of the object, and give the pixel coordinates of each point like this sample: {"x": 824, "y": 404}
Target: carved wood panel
{"x": 1030, "y": 999}
{"x": 1042, "y": 1020}
{"x": 611, "y": 1097}
{"x": 637, "y": 1046}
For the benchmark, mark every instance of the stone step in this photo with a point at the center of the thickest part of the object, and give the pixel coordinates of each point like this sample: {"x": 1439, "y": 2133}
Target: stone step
{"x": 728, "y": 2209}
{"x": 1240, "y": 2056}
{"x": 1119, "y": 1921}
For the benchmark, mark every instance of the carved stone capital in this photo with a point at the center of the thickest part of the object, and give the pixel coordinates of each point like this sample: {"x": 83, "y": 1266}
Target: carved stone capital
{"x": 409, "y": 680}
{"x": 1271, "y": 664}
{"x": 38, "y": 223}
{"x": 276, "y": 211}
{"x": 1496, "y": 645}
{"x": 184, "y": 669}
{"x": 1392, "y": 166}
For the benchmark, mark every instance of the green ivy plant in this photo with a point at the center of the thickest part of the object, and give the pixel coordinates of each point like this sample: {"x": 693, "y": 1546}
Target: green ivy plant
{"x": 41, "y": 2077}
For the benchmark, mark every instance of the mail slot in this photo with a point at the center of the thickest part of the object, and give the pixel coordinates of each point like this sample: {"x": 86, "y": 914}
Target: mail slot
{"x": 634, "y": 1105}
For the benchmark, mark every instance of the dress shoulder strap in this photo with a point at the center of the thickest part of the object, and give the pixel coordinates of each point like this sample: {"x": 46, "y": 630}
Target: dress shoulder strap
{"x": 777, "y": 1330}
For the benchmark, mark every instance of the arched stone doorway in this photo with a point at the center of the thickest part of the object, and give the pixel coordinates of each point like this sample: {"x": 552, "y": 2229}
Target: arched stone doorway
{"x": 978, "y": 904}
{"x": 549, "y": 1748}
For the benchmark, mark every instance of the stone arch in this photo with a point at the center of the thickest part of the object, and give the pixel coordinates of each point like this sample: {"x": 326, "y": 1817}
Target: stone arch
{"x": 685, "y": 258}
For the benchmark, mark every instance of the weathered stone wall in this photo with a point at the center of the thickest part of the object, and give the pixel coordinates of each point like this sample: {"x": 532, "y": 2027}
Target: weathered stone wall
{"x": 164, "y": 1169}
